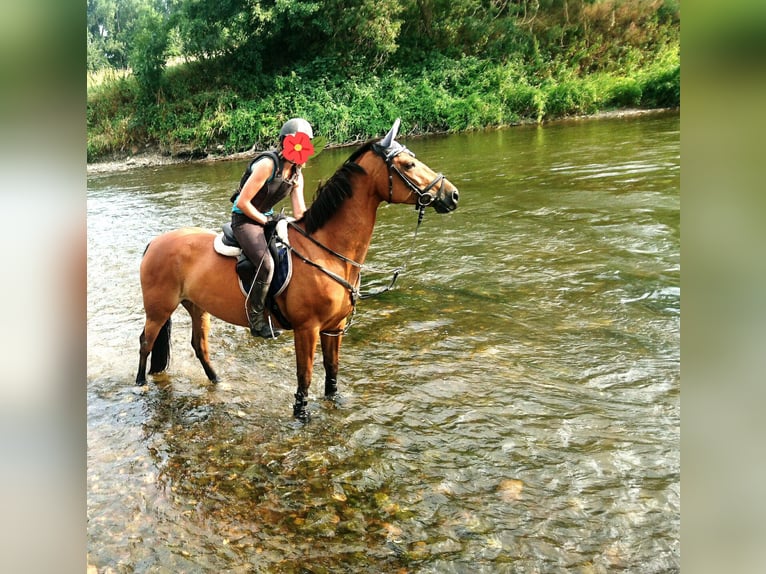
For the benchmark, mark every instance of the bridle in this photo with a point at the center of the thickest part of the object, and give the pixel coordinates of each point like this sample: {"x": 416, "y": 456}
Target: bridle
{"x": 424, "y": 198}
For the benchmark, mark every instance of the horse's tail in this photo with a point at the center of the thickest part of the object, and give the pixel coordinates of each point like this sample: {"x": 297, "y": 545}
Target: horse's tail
{"x": 161, "y": 350}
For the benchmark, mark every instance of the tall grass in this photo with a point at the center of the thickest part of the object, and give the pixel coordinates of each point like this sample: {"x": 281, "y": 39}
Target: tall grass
{"x": 209, "y": 110}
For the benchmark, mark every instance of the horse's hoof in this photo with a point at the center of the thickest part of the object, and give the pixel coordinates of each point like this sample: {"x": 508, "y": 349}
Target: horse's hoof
{"x": 302, "y": 417}
{"x": 336, "y": 399}
{"x": 300, "y": 411}
{"x": 140, "y": 382}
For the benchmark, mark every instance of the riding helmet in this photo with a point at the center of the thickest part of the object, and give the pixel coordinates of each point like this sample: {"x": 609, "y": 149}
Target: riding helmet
{"x": 294, "y": 126}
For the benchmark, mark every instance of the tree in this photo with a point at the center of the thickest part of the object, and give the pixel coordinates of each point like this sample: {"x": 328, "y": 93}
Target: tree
{"x": 488, "y": 28}
{"x": 291, "y": 33}
{"x": 110, "y": 26}
{"x": 149, "y": 50}
{"x": 212, "y": 29}
{"x": 365, "y": 29}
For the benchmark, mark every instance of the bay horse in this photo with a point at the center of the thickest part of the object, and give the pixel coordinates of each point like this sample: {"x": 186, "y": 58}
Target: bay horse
{"x": 328, "y": 247}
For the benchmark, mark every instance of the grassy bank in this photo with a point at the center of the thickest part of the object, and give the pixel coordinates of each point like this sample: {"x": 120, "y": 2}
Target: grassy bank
{"x": 205, "y": 109}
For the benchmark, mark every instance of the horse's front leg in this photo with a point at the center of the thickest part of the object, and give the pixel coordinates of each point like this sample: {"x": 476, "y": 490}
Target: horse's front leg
{"x": 330, "y": 354}
{"x": 305, "y": 345}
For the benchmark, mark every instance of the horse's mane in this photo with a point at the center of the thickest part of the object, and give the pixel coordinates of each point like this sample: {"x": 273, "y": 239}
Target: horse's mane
{"x": 331, "y": 194}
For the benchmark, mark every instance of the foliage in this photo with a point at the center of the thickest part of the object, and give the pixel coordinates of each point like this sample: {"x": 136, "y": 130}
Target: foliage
{"x": 352, "y": 66}
{"x": 111, "y": 28}
{"x": 210, "y": 29}
{"x": 662, "y": 88}
{"x": 149, "y": 52}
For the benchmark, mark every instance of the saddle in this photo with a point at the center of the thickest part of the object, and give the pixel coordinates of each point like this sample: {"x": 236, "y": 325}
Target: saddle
{"x": 279, "y": 246}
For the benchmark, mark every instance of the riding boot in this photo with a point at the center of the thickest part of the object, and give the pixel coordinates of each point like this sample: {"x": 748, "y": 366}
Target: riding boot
{"x": 259, "y": 324}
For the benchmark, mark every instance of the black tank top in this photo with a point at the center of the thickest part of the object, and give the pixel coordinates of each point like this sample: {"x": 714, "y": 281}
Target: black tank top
{"x": 274, "y": 190}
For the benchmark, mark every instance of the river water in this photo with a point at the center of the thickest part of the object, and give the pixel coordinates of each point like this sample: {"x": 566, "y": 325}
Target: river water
{"x": 512, "y": 406}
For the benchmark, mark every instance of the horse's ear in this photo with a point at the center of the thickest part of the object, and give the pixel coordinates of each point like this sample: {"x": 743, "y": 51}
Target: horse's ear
{"x": 386, "y": 142}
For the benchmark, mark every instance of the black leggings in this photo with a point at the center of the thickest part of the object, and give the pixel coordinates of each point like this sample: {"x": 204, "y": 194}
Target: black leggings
{"x": 252, "y": 240}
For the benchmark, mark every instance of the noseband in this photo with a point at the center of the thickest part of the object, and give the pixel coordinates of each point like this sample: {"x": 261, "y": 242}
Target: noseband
{"x": 424, "y": 198}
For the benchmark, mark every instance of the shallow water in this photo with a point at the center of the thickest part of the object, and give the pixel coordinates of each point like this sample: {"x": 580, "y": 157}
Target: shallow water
{"x": 513, "y": 406}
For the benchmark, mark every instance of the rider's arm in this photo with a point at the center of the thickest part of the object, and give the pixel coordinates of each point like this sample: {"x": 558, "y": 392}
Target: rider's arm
{"x": 299, "y": 204}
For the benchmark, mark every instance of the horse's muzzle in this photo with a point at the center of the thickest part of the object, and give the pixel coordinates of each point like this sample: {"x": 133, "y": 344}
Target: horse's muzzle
{"x": 446, "y": 199}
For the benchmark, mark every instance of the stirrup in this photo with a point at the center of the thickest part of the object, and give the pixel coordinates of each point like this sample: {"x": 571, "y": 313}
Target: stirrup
{"x": 265, "y": 330}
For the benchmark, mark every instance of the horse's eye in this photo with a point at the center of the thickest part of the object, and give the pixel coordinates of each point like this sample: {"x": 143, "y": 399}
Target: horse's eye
{"x": 408, "y": 164}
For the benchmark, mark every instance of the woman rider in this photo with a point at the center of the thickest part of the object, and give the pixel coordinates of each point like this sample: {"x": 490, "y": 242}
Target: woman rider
{"x": 269, "y": 178}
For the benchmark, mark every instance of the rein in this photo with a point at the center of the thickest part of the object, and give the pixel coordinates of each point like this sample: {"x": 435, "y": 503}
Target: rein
{"x": 323, "y": 246}
{"x": 401, "y": 268}
{"x": 354, "y": 290}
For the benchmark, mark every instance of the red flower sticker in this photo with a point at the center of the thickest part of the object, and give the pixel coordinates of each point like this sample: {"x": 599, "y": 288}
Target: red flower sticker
{"x": 297, "y": 148}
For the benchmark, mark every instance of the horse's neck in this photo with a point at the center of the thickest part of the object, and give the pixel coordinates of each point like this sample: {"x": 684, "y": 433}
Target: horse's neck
{"x": 349, "y": 231}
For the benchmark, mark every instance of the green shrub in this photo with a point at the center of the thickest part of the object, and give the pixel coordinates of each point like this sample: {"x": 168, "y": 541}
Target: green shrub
{"x": 569, "y": 98}
{"x": 623, "y": 93}
{"x": 205, "y": 106}
{"x": 662, "y": 89}
{"x": 522, "y": 101}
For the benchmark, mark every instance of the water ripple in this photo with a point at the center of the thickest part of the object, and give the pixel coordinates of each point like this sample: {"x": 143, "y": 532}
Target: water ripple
{"x": 513, "y": 406}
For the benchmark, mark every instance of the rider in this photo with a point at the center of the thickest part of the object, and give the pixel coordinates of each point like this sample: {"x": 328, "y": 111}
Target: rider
{"x": 268, "y": 179}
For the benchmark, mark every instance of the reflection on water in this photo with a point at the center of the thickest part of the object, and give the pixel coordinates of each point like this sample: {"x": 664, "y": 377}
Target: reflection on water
{"x": 513, "y": 406}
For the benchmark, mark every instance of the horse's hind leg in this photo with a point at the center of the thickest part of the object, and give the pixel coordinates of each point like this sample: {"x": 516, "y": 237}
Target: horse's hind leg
{"x": 200, "y": 329}
{"x": 154, "y": 339}
{"x": 143, "y": 355}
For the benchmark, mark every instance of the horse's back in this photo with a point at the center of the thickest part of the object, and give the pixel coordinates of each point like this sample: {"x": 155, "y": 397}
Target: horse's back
{"x": 182, "y": 236}
{"x": 167, "y": 254}
{"x": 182, "y": 265}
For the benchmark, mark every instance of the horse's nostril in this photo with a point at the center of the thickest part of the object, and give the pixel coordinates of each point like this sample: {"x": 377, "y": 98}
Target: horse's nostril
{"x": 455, "y": 195}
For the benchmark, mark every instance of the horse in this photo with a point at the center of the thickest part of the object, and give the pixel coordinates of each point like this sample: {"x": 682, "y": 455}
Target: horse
{"x": 328, "y": 246}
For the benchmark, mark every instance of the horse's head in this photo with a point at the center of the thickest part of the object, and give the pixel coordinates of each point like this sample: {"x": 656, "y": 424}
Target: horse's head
{"x": 410, "y": 180}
